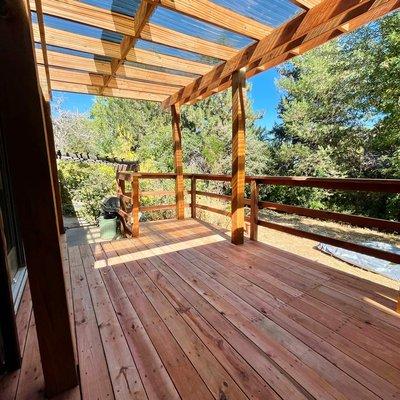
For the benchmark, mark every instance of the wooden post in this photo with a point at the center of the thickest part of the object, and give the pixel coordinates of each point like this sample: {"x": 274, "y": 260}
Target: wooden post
{"x": 135, "y": 205}
{"x": 53, "y": 165}
{"x": 254, "y": 211}
{"x": 238, "y": 156}
{"x": 193, "y": 196}
{"x": 24, "y": 130}
{"x": 179, "y": 185}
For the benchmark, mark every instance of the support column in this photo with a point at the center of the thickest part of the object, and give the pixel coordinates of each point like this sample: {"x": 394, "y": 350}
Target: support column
{"x": 238, "y": 156}
{"x": 179, "y": 185}
{"x": 24, "y": 130}
{"x": 53, "y": 165}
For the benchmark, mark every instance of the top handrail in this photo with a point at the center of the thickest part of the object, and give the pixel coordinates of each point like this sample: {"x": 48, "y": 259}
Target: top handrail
{"x": 348, "y": 184}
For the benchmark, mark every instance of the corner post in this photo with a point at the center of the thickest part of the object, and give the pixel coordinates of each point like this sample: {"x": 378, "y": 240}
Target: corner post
{"x": 238, "y": 156}
{"x": 193, "y": 196}
{"x": 254, "y": 211}
{"x": 177, "y": 138}
{"x": 23, "y": 128}
{"x": 53, "y": 165}
{"x": 135, "y": 204}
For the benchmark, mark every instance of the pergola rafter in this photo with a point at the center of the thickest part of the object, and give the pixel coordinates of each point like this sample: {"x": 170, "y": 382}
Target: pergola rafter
{"x": 317, "y": 22}
{"x": 308, "y": 30}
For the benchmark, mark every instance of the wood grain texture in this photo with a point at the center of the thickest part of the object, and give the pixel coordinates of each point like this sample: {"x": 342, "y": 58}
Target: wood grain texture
{"x": 178, "y": 162}
{"x": 21, "y": 96}
{"x": 91, "y": 65}
{"x": 74, "y": 41}
{"x": 210, "y": 12}
{"x": 309, "y": 29}
{"x": 183, "y": 314}
{"x": 238, "y": 156}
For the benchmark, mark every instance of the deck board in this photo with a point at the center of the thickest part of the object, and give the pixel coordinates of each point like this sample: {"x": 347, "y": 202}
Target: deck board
{"x": 181, "y": 313}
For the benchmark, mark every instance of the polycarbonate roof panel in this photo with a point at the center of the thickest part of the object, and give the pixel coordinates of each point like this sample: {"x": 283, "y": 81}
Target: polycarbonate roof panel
{"x": 80, "y": 29}
{"x": 161, "y": 69}
{"x": 190, "y": 26}
{"x": 268, "y": 12}
{"x": 126, "y": 7}
{"x": 75, "y": 53}
{"x": 170, "y": 51}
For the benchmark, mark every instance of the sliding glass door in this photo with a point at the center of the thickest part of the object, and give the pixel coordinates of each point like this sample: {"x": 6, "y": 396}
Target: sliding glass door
{"x": 12, "y": 269}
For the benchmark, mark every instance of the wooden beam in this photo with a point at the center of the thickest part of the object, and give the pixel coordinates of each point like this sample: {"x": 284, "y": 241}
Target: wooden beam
{"x": 85, "y": 78}
{"x": 53, "y": 166}
{"x": 23, "y": 128}
{"x": 193, "y": 192}
{"x": 135, "y": 202}
{"x": 103, "y": 19}
{"x": 69, "y": 40}
{"x": 92, "y": 65}
{"x": 306, "y": 4}
{"x": 238, "y": 156}
{"x": 254, "y": 210}
{"x": 39, "y": 12}
{"x": 310, "y": 29}
{"x": 143, "y": 14}
{"x": 208, "y": 11}
{"x": 108, "y": 92}
{"x": 178, "y": 40}
{"x": 178, "y": 163}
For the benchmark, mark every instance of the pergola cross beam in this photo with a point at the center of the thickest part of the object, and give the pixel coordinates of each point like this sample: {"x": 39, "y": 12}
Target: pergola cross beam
{"x": 143, "y": 14}
{"x": 307, "y": 29}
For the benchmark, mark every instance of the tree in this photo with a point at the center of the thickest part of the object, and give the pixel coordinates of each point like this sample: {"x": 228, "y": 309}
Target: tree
{"x": 340, "y": 115}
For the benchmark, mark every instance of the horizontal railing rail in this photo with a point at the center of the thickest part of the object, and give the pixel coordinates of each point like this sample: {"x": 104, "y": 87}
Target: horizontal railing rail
{"x": 255, "y": 204}
{"x": 130, "y": 201}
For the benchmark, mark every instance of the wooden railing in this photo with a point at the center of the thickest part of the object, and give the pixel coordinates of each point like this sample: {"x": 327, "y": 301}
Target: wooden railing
{"x": 130, "y": 201}
{"x": 255, "y": 205}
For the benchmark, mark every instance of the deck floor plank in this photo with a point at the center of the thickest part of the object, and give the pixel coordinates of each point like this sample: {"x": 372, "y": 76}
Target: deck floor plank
{"x": 182, "y": 314}
{"x": 124, "y": 375}
{"x": 359, "y": 372}
{"x": 185, "y": 377}
{"x": 95, "y": 378}
{"x": 155, "y": 378}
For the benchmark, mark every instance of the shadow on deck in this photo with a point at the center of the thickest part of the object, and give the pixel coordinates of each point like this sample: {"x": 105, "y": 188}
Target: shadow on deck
{"x": 181, "y": 313}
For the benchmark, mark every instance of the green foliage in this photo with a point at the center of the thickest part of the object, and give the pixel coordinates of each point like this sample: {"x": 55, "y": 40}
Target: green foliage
{"x": 341, "y": 118}
{"x": 84, "y": 186}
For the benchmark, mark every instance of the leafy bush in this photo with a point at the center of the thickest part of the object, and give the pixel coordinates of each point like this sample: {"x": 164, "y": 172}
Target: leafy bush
{"x": 84, "y": 186}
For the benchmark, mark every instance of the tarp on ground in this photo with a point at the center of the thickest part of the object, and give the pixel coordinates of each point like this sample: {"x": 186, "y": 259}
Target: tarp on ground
{"x": 382, "y": 267}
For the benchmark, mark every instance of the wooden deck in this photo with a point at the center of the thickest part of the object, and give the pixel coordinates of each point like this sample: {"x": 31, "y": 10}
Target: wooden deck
{"x": 180, "y": 313}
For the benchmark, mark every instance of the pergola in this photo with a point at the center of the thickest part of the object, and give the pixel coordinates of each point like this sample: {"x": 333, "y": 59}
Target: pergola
{"x": 174, "y": 52}
{"x": 179, "y": 51}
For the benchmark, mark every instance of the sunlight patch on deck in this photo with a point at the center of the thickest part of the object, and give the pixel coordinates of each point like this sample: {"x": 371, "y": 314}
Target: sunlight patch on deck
{"x": 155, "y": 251}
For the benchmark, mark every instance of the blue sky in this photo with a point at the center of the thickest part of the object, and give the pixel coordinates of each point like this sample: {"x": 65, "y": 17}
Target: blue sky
{"x": 264, "y": 94}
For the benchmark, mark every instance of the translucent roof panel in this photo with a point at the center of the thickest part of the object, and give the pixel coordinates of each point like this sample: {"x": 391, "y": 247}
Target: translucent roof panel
{"x": 190, "y": 26}
{"x": 80, "y": 29}
{"x": 269, "y": 12}
{"x": 75, "y": 53}
{"x": 170, "y": 51}
{"x": 161, "y": 69}
{"x": 126, "y": 7}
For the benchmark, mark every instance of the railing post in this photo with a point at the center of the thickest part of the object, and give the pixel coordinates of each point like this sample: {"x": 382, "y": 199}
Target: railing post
{"x": 238, "y": 156}
{"x": 193, "y": 196}
{"x": 398, "y": 302}
{"x": 254, "y": 211}
{"x": 135, "y": 205}
{"x": 179, "y": 185}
